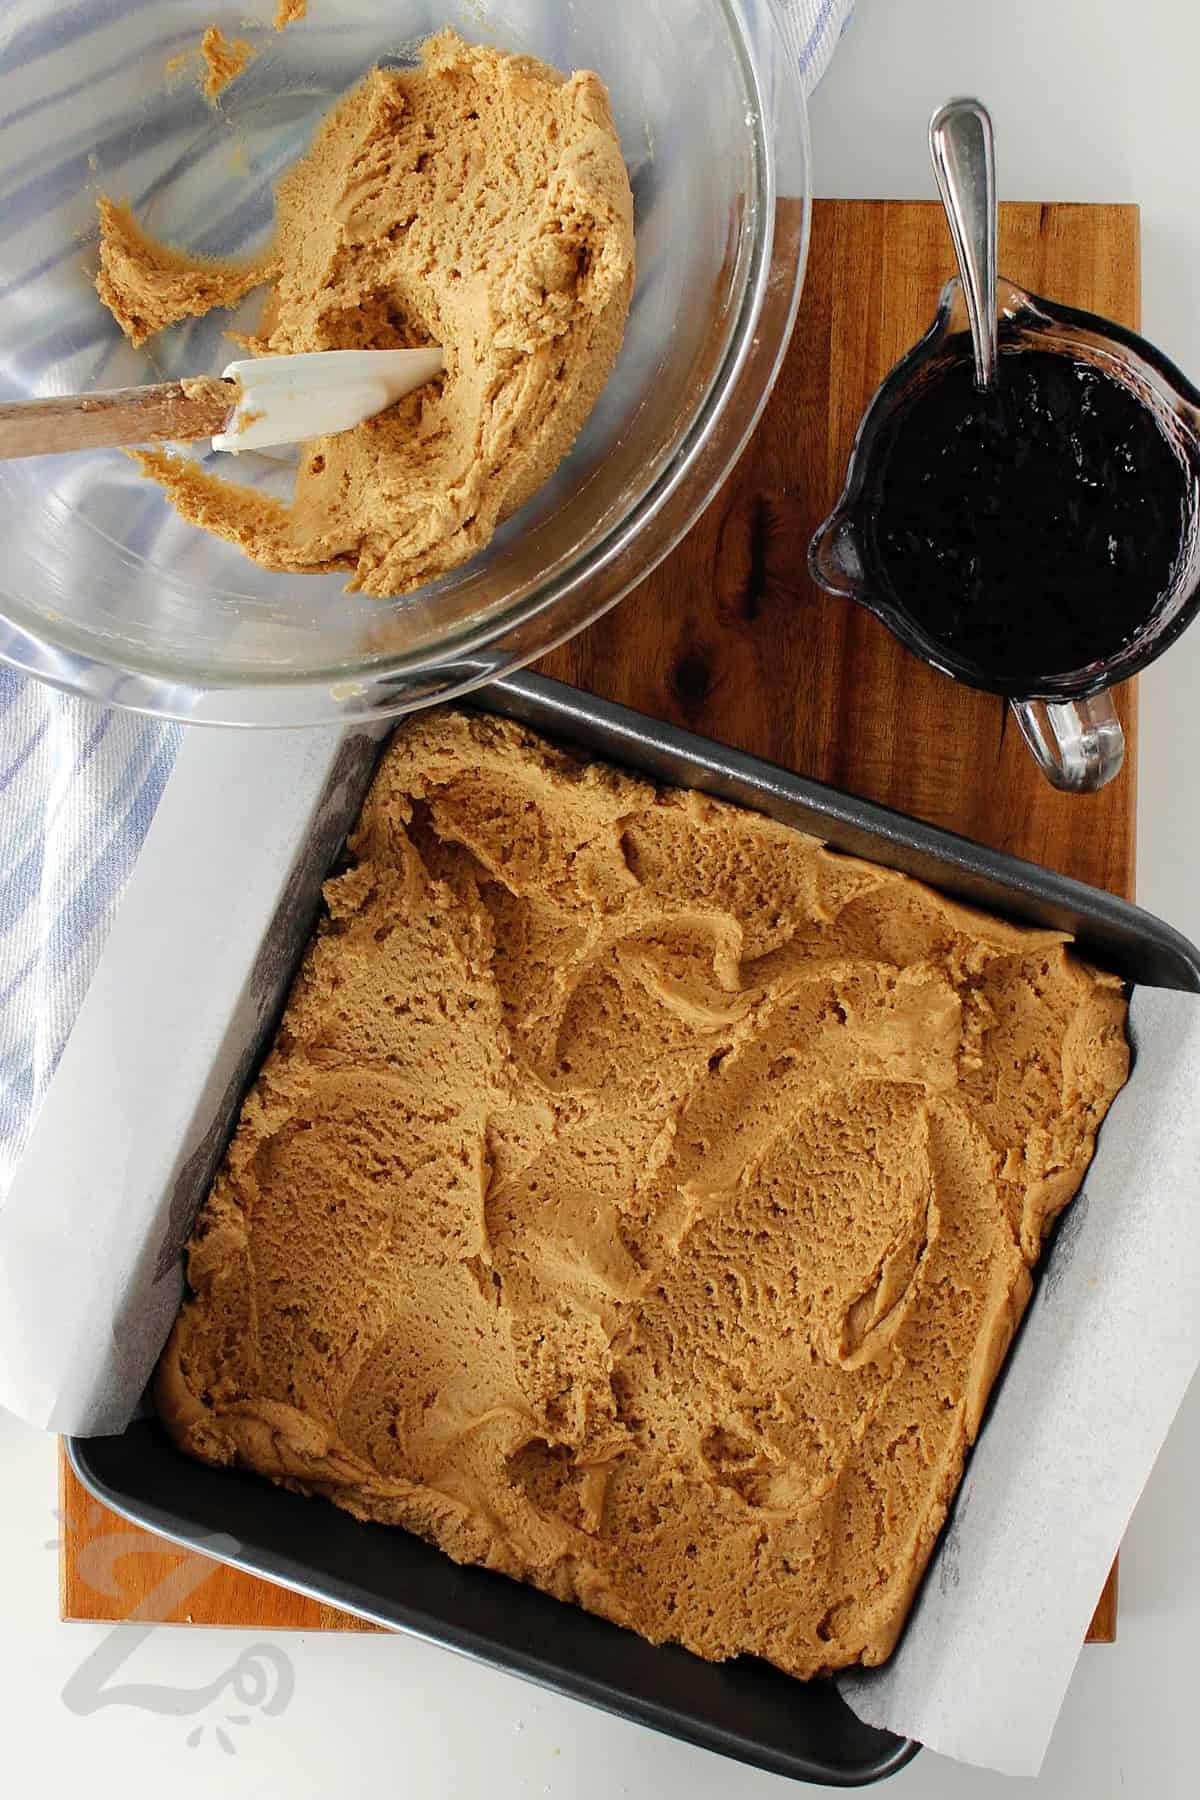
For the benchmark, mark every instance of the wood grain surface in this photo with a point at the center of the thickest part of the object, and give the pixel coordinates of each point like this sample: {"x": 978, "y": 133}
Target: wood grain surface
{"x": 731, "y": 638}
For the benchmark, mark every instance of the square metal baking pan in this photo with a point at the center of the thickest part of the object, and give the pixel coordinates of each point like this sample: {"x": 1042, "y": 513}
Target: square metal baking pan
{"x": 744, "y": 1709}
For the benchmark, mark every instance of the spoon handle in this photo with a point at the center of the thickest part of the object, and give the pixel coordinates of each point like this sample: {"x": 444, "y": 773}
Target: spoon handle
{"x": 139, "y": 415}
{"x": 964, "y": 161}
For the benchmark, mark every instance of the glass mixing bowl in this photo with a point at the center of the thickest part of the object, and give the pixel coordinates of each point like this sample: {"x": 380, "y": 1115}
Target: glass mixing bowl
{"x": 105, "y": 591}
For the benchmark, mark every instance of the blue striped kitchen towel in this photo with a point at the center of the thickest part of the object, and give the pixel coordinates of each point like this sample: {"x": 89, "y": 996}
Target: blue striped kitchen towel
{"x": 78, "y": 788}
{"x": 812, "y": 29}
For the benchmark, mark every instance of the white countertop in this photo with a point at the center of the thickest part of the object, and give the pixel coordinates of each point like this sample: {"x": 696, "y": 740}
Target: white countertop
{"x": 1093, "y": 100}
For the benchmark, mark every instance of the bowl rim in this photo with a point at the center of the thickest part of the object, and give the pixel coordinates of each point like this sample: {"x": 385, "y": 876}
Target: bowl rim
{"x": 586, "y": 584}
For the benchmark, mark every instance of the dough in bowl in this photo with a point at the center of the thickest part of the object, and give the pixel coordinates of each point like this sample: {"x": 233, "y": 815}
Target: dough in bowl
{"x": 479, "y": 202}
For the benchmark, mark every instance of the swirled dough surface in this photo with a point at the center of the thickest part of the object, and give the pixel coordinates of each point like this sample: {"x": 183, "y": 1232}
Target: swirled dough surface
{"x": 639, "y": 1199}
{"x": 479, "y": 202}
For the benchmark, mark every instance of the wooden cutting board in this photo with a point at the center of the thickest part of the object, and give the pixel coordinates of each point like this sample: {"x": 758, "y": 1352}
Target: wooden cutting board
{"x": 730, "y": 637}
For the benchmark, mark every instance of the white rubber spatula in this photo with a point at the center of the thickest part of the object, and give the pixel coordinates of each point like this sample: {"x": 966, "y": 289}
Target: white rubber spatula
{"x": 267, "y": 400}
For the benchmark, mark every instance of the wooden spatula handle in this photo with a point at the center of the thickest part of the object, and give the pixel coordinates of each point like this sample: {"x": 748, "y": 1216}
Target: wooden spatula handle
{"x": 179, "y": 410}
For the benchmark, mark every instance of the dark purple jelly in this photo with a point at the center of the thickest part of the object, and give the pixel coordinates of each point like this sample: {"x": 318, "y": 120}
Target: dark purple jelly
{"x": 1031, "y": 531}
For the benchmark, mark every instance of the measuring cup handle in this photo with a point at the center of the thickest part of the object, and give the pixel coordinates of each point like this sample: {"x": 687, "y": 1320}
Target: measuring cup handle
{"x": 1077, "y": 744}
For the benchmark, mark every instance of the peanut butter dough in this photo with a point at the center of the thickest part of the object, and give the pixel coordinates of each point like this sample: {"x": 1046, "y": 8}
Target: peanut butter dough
{"x": 224, "y": 60}
{"x": 216, "y": 61}
{"x": 147, "y": 286}
{"x": 639, "y": 1199}
{"x": 479, "y": 202}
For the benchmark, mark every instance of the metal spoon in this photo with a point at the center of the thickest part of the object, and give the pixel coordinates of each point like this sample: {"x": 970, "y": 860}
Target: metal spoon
{"x": 962, "y": 146}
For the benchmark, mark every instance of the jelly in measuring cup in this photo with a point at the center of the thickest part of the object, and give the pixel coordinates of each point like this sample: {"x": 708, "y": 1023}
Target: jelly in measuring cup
{"x": 1032, "y": 530}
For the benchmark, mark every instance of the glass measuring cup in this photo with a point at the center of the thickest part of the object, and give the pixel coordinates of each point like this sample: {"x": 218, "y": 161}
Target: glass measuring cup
{"x": 1067, "y": 718}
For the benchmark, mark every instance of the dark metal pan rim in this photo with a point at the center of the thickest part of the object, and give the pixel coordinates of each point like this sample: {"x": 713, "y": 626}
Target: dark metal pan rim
{"x": 740, "y": 1709}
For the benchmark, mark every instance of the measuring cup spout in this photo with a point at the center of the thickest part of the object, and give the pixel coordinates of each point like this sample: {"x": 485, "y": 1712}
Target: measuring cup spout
{"x": 835, "y": 558}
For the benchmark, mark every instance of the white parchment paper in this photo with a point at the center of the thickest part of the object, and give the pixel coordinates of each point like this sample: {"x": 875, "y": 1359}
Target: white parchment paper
{"x": 1109, "y": 1343}
{"x": 137, "y": 1111}
{"x": 136, "y": 1115}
